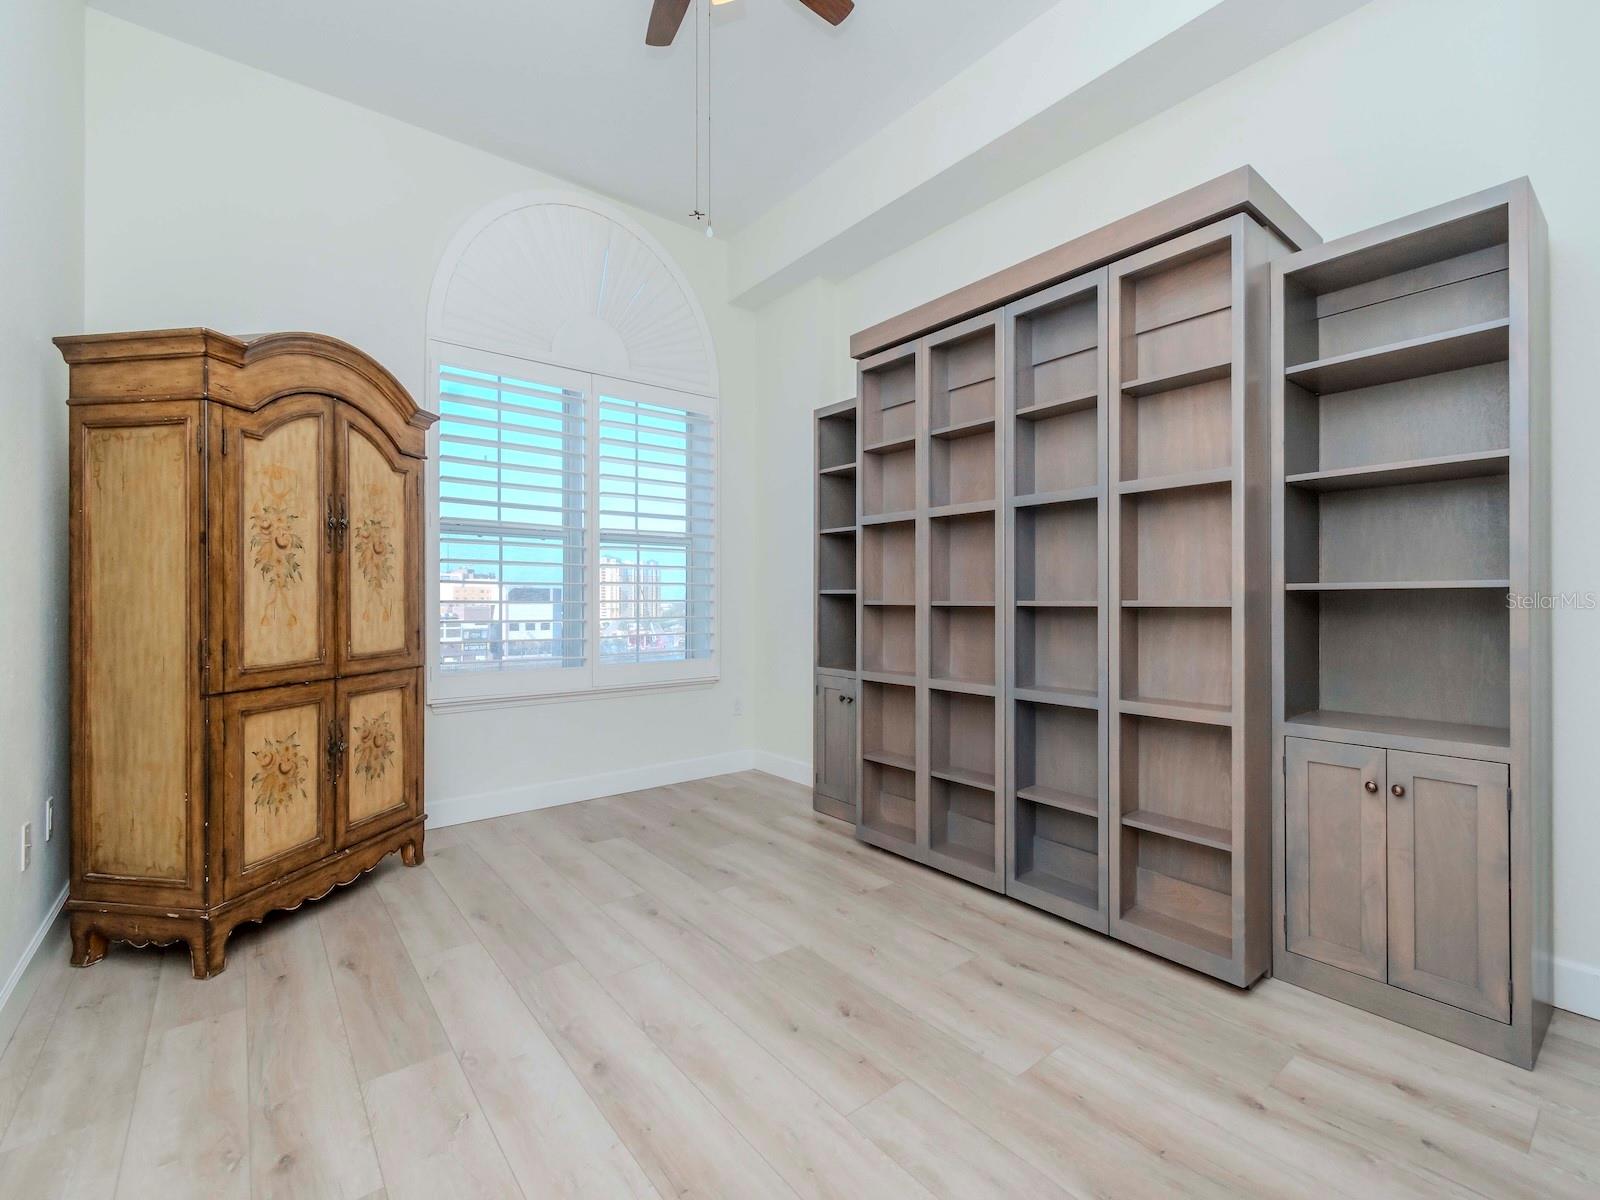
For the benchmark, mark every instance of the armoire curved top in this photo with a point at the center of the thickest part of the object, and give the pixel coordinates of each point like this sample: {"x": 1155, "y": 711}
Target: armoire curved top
{"x": 245, "y": 373}
{"x": 566, "y": 279}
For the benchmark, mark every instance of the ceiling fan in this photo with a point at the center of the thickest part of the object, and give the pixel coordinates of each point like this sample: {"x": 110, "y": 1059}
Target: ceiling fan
{"x": 667, "y": 15}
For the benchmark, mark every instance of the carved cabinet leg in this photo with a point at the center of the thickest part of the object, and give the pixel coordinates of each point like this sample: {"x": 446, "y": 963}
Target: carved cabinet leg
{"x": 411, "y": 852}
{"x": 208, "y": 952}
{"x": 88, "y": 943}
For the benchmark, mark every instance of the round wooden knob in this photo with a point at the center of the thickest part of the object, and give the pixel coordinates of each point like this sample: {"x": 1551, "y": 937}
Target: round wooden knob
{"x": 1398, "y": 790}
{"x": 1371, "y": 786}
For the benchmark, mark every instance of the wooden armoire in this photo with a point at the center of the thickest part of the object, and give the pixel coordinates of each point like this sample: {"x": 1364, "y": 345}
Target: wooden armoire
{"x": 246, "y": 638}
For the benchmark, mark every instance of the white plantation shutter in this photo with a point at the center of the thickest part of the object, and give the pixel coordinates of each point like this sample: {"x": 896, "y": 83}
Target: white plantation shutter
{"x": 656, "y": 533}
{"x": 576, "y": 531}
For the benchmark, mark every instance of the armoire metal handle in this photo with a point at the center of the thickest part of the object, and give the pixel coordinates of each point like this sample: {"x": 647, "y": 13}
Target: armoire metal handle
{"x": 344, "y": 522}
{"x": 328, "y": 537}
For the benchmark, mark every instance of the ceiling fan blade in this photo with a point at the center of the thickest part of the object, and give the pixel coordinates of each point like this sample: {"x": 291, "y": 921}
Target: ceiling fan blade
{"x": 665, "y": 18}
{"x": 831, "y": 11}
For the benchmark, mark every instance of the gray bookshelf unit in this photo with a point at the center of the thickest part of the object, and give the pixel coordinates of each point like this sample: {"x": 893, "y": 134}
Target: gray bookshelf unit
{"x": 1411, "y": 697}
{"x": 835, "y": 687}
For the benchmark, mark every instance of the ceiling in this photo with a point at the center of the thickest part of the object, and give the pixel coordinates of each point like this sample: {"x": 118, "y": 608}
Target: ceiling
{"x": 569, "y": 87}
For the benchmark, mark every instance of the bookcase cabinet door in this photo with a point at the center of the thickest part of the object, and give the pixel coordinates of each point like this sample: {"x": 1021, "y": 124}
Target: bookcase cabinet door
{"x": 1450, "y": 881}
{"x": 274, "y": 782}
{"x": 272, "y": 605}
{"x": 1335, "y": 866}
{"x": 380, "y": 753}
{"x": 834, "y": 733}
{"x": 379, "y": 543}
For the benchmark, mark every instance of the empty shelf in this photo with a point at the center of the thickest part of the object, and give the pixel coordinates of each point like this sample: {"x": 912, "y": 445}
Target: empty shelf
{"x": 1076, "y": 893}
{"x": 888, "y": 518}
{"x": 890, "y": 603}
{"x": 1152, "y": 384}
{"x": 1168, "y": 710}
{"x": 961, "y": 510}
{"x": 836, "y": 591}
{"x": 1176, "y": 827}
{"x": 890, "y": 445}
{"x": 894, "y": 678}
{"x": 1069, "y": 697}
{"x": 889, "y": 758}
{"x": 1085, "y": 806}
{"x": 982, "y": 860}
{"x": 1075, "y": 495}
{"x": 1486, "y": 741}
{"x": 1169, "y": 603}
{"x": 1399, "y": 585}
{"x": 1416, "y": 470}
{"x": 975, "y": 779}
{"x": 961, "y": 603}
{"x": 967, "y": 687}
{"x": 1062, "y": 404}
{"x": 1186, "y": 479}
{"x": 961, "y": 429}
{"x": 1168, "y": 926}
{"x": 838, "y": 529}
{"x": 1058, "y": 604}
{"x": 848, "y": 468}
{"x": 1469, "y": 346}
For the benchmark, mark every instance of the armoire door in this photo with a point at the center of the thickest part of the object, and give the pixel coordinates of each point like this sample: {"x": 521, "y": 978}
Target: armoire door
{"x": 274, "y": 763}
{"x": 380, "y": 759}
{"x": 834, "y": 749}
{"x": 1450, "y": 881}
{"x": 272, "y": 587}
{"x": 379, "y": 543}
{"x": 1335, "y": 859}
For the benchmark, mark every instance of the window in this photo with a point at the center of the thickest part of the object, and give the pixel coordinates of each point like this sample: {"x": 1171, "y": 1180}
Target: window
{"x": 576, "y": 530}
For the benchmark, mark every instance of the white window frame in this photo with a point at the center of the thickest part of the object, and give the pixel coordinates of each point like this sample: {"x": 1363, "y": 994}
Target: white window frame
{"x": 475, "y": 689}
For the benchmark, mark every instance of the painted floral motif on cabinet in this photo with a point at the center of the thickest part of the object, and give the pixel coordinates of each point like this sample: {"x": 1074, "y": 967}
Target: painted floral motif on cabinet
{"x": 280, "y": 777}
{"x": 374, "y": 746}
{"x": 275, "y": 541}
{"x": 374, "y": 545}
{"x": 377, "y": 548}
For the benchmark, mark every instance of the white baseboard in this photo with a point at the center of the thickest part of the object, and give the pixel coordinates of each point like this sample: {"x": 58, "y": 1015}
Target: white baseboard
{"x": 792, "y": 769}
{"x": 459, "y": 809}
{"x": 1577, "y": 987}
{"x": 18, "y": 989}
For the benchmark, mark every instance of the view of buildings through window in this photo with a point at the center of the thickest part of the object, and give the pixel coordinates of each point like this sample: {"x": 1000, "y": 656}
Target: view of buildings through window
{"x": 516, "y": 513}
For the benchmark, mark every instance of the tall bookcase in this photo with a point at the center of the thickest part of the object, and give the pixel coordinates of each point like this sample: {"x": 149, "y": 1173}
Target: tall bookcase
{"x": 1411, "y": 696}
{"x": 1058, "y": 850}
{"x": 1063, "y": 579}
{"x": 835, "y": 686}
{"x": 1190, "y": 791}
{"x": 931, "y": 552}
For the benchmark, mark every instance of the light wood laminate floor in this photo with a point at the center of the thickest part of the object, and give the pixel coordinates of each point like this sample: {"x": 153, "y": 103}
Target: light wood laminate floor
{"x": 706, "y": 991}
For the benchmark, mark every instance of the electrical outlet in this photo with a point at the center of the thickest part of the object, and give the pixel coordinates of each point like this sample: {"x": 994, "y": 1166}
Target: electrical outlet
{"x": 49, "y": 818}
{"x": 27, "y": 844}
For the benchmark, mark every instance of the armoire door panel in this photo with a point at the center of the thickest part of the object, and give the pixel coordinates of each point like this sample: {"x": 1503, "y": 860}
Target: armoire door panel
{"x": 1450, "y": 881}
{"x": 275, "y": 770}
{"x": 380, "y": 761}
{"x": 273, "y": 608}
{"x": 1335, "y": 867}
{"x": 138, "y": 728}
{"x": 379, "y": 543}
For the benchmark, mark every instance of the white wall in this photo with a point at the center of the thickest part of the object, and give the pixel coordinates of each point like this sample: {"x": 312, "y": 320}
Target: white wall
{"x": 1400, "y": 105}
{"x": 41, "y": 295}
{"x": 223, "y": 196}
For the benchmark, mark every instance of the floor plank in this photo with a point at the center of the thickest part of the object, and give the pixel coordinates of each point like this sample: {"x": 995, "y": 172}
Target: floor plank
{"x": 432, "y": 1138}
{"x": 308, "y": 1126}
{"x": 190, "y": 1133}
{"x": 557, "y": 1143}
{"x": 816, "y": 1151}
{"x": 681, "y": 1142}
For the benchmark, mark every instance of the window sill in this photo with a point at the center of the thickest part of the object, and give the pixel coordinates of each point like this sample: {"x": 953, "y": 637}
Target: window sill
{"x": 454, "y": 704}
